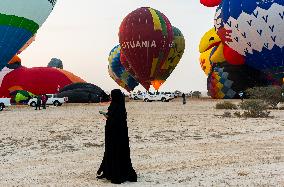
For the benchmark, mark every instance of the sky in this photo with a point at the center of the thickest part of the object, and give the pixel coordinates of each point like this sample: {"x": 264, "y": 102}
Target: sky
{"x": 82, "y": 33}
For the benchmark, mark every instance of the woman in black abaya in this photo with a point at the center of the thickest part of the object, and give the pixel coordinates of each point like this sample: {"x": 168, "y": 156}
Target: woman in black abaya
{"x": 116, "y": 165}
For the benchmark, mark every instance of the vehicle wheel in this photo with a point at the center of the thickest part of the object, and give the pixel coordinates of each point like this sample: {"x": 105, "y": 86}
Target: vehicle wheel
{"x": 163, "y": 99}
{"x": 135, "y": 98}
{"x": 146, "y": 100}
{"x": 33, "y": 104}
{"x": 2, "y": 106}
{"x": 56, "y": 103}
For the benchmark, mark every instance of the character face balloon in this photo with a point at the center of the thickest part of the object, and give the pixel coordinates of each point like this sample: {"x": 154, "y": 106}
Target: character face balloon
{"x": 19, "y": 21}
{"x": 146, "y": 37}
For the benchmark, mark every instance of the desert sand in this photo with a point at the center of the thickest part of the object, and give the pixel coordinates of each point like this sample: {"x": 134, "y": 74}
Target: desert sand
{"x": 171, "y": 145}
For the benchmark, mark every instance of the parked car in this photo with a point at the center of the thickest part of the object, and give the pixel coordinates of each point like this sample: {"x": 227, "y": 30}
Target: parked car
{"x": 170, "y": 94}
{"x": 4, "y": 102}
{"x": 149, "y": 97}
{"x": 52, "y": 100}
{"x": 137, "y": 96}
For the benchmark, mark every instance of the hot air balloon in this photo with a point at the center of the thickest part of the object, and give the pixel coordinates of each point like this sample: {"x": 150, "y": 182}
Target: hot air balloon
{"x": 146, "y": 38}
{"x": 225, "y": 80}
{"x": 174, "y": 57}
{"x": 19, "y": 21}
{"x": 118, "y": 70}
{"x": 38, "y": 80}
{"x": 253, "y": 33}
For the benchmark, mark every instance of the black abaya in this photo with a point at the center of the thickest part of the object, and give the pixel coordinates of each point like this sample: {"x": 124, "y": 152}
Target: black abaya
{"x": 116, "y": 165}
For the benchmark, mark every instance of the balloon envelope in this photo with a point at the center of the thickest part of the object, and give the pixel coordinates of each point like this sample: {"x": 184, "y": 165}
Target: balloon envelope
{"x": 19, "y": 21}
{"x": 146, "y": 37}
{"x": 255, "y": 29}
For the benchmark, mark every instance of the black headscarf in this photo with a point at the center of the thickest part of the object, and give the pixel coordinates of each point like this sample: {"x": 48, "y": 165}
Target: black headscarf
{"x": 117, "y": 105}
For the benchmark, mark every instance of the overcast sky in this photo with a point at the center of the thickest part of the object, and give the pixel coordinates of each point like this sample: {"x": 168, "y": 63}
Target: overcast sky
{"x": 82, "y": 33}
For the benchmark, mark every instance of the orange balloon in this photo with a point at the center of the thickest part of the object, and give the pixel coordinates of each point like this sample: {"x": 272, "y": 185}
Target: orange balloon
{"x": 157, "y": 84}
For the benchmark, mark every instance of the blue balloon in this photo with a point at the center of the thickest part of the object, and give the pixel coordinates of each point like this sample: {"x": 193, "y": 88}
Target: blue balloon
{"x": 118, "y": 69}
{"x": 257, "y": 32}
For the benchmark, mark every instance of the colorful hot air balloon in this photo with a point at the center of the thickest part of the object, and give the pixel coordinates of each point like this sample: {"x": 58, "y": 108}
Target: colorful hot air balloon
{"x": 225, "y": 80}
{"x": 146, "y": 37}
{"x": 118, "y": 70}
{"x": 19, "y": 21}
{"x": 253, "y": 33}
{"x": 174, "y": 57}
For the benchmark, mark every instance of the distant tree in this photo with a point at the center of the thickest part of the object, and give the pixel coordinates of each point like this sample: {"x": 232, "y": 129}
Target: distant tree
{"x": 196, "y": 94}
{"x": 55, "y": 62}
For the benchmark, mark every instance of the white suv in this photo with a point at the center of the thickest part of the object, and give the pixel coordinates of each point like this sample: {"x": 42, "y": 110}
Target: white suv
{"x": 137, "y": 96}
{"x": 4, "y": 102}
{"x": 149, "y": 97}
{"x": 52, "y": 100}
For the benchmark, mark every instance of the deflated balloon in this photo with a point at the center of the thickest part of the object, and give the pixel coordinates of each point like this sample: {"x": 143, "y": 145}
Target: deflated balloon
{"x": 118, "y": 69}
{"x": 21, "y": 96}
{"x": 174, "y": 57}
{"x": 38, "y": 80}
{"x": 19, "y": 21}
{"x": 146, "y": 37}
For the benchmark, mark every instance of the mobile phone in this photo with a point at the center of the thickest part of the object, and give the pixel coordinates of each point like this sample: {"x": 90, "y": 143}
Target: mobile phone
{"x": 101, "y": 112}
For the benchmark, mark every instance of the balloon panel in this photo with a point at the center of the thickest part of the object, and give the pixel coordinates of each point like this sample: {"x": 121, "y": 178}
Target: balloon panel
{"x": 174, "y": 57}
{"x": 226, "y": 80}
{"x": 19, "y": 21}
{"x": 255, "y": 31}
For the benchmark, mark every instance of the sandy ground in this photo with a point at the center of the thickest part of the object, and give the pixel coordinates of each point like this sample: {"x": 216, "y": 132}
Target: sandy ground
{"x": 171, "y": 144}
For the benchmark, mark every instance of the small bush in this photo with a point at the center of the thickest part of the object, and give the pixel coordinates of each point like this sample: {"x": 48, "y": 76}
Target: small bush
{"x": 271, "y": 95}
{"x": 238, "y": 114}
{"x": 254, "y": 109}
{"x": 227, "y": 115}
{"x": 226, "y": 105}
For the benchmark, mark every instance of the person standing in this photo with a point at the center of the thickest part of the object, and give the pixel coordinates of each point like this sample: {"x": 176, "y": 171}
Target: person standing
{"x": 116, "y": 165}
{"x": 183, "y": 99}
{"x": 44, "y": 100}
{"x": 38, "y": 102}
